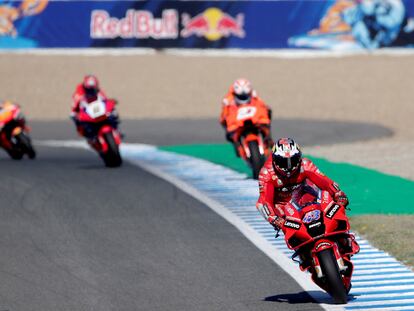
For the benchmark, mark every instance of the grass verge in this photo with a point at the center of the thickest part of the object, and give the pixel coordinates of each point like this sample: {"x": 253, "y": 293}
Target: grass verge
{"x": 391, "y": 233}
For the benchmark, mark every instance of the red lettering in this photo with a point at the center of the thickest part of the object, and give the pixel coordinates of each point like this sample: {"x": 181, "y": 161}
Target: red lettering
{"x": 142, "y": 24}
{"x": 126, "y": 25}
{"x": 98, "y": 20}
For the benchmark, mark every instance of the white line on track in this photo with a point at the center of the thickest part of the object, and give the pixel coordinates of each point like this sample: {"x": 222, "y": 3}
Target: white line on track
{"x": 371, "y": 290}
{"x": 240, "y": 53}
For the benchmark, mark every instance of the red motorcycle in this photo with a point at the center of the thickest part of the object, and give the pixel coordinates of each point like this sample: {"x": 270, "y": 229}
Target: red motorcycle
{"x": 14, "y": 133}
{"x": 251, "y": 125}
{"x": 319, "y": 234}
{"x": 99, "y": 121}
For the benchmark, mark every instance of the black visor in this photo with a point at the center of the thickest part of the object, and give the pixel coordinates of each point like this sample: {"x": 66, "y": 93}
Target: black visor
{"x": 91, "y": 92}
{"x": 243, "y": 97}
{"x": 287, "y": 164}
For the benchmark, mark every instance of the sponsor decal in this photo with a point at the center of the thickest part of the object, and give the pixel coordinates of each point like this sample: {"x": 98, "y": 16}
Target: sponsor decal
{"x": 136, "y": 24}
{"x": 290, "y": 210}
{"x": 316, "y": 224}
{"x": 332, "y": 211}
{"x": 311, "y": 216}
{"x": 292, "y": 224}
{"x": 323, "y": 244}
{"x": 213, "y": 24}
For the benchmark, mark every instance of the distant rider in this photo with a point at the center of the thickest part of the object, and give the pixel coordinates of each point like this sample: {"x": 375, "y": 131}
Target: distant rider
{"x": 87, "y": 92}
{"x": 287, "y": 181}
{"x": 242, "y": 93}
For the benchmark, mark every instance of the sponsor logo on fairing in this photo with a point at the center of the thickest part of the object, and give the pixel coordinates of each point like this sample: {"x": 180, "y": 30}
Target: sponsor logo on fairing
{"x": 135, "y": 24}
{"x": 332, "y": 211}
{"x": 323, "y": 244}
{"x": 317, "y": 224}
{"x": 292, "y": 224}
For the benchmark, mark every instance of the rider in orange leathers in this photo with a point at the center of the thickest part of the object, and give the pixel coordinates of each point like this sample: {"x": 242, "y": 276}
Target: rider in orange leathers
{"x": 242, "y": 93}
{"x": 287, "y": 181}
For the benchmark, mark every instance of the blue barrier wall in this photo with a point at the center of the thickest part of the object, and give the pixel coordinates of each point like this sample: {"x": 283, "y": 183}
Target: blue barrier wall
{"x": 335, "y": 24}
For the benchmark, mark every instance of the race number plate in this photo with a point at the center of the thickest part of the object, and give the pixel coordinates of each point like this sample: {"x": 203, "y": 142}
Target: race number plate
{"x": 311, "y": 216}
{"x": 246, "y": 113}
{"x": 96, "y": 109}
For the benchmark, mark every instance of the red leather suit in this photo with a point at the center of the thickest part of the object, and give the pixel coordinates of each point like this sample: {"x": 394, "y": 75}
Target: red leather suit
{"x": 279, "y": 195}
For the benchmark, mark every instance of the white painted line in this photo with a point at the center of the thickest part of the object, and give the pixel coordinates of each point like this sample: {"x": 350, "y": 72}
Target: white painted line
{"x": 239, "y": 53}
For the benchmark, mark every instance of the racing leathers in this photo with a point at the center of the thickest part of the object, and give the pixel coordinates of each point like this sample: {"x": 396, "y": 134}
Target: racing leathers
{"x": 80, "y": 100}
{"x": 230, "y": 108}
{"x": 280, "y": 195}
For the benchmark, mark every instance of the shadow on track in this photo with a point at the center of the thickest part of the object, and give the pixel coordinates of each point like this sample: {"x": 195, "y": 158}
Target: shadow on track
{"x": 292, "y": 298}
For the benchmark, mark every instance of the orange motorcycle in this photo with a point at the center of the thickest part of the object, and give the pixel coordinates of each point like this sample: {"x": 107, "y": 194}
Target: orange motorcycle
{"x": 14, "y": 134}
{"x": 250, "y": 125}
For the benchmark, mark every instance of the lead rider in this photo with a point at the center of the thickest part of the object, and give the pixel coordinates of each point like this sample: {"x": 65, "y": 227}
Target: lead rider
{"x": 289, "y": 181}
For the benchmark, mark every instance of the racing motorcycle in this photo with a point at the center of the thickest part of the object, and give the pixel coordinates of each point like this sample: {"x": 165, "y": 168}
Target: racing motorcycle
{"x": 319, "y": 234}
{"x": 249, "y": 124}
{"x": 14, "y": 133}
{"x": 99, "y": 120}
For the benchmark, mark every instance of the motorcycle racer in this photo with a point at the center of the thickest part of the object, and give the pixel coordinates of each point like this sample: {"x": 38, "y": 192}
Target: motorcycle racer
{"x": 287, "y": 181}
{"x": 242, "y": 93}
{"x": 86, "y": 92}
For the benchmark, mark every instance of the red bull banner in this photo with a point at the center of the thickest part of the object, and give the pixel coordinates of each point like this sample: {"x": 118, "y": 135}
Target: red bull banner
{"x": 317, "y": 24}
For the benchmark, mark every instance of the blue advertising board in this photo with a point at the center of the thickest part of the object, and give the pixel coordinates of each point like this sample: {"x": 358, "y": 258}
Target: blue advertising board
{"x": 318, "y": 24}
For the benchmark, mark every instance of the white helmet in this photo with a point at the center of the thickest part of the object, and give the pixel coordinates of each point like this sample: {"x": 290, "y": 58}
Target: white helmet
{"x": 242, "y": 91}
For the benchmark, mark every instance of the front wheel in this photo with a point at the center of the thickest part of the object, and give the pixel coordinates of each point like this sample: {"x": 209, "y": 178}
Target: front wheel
{"x": 112, "y": 157}
{"x": 333, "y": 278}
{"x": 25, "y": 145}
{"x": 256, "y": 158}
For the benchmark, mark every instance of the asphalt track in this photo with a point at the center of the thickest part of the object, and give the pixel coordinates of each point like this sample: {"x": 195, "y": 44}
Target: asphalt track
{"x": 77, "y": 236}
{"x": 186, "y": 131}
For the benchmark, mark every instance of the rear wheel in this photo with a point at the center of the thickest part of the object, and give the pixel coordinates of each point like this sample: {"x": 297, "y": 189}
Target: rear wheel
{"x": 256, "y": 159}
{"x": 25, "y": 145}
{"x": 333, "y": 278}
{"x": 112, "y": 158}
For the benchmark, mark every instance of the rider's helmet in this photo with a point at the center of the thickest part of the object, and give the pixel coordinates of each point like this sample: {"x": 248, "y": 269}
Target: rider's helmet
{"x": 242, "y": 91}
{"x": 286, "y": 157}
{"x": 91, "y": 86}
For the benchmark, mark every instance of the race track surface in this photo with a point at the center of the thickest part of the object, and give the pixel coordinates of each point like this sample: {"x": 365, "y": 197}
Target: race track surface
{"x": 77, "y": 236}
{"x": 193, "y": 131}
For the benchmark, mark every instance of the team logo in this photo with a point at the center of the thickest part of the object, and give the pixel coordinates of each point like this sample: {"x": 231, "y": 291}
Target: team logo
{"x": 213, "y": 24}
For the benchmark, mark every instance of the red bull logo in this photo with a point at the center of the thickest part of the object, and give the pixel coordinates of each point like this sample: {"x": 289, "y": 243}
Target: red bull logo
{"x": 139, "y": 24}
{"x": 213, "y": 24}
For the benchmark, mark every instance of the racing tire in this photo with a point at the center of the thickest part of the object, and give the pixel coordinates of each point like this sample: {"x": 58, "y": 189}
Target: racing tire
{"x": 112, "y": 158}
{"x": 25, "y": 145}
{"x": 15, "y": 154}
{"x": 256, "y": 159}
{"x": 333, "y": 278}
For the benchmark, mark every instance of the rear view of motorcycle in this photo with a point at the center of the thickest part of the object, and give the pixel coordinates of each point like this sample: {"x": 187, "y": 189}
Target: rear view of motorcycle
{"x": 99, "y": 121}
{"x": 250, "y": 125}
{"x": 14, "y": 134}
{"x": 319, "y": 234}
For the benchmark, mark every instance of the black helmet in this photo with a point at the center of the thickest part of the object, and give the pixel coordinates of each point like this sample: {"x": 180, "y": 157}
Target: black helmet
{"x": 286, "y": 157}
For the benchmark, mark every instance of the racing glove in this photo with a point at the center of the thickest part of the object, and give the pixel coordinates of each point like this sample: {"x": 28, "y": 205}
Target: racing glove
{"x": 276, "y": 221}
{"x": 341, "y": 198}
{"x": 229, "y": 136}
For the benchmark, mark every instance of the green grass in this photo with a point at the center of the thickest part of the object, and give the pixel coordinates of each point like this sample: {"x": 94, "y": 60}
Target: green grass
{"x": 369, "y": 191}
